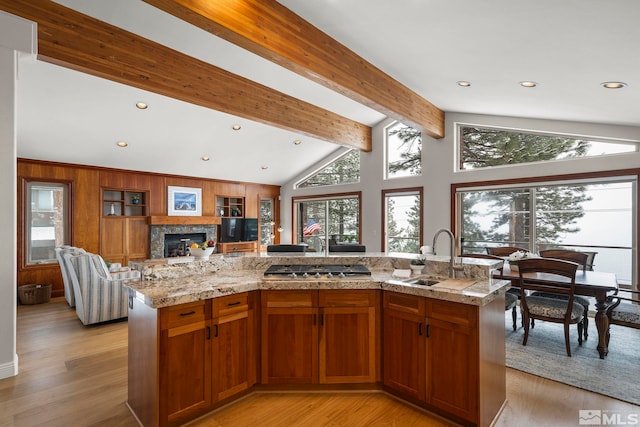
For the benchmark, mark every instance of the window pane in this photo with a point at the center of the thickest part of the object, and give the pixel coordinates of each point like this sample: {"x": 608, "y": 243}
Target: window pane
{"x": 266, "y": 222}
{"x": 47, "y": 221}
{"x": 482, "y": 147}
{"x": 344, "y": 170}
{"x": 403, "y": 223}
{"x": 321, "y": 222}
{"x": 495, "y": 218}
{"x": 588, "y": 217}
{"x": 403, "y": 151}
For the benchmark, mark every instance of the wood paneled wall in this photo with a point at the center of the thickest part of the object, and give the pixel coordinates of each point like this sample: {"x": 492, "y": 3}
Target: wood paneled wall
{"x": 86, "y": 182}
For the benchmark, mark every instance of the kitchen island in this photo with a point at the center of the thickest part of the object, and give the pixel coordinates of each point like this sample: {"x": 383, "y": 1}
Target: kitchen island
{"x": 204, "y": 333}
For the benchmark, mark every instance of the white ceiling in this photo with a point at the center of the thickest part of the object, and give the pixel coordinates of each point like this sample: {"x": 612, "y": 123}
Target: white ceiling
{"x": 568, "y": 47}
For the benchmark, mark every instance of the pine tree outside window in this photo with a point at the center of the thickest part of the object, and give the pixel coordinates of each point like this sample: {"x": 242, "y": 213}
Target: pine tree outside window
{"x": 483, "y": 147}
{"x": 343, "y": 170}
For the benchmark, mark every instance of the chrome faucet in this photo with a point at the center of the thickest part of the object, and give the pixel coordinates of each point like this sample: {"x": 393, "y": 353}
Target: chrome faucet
{"x": 452, "y": 240}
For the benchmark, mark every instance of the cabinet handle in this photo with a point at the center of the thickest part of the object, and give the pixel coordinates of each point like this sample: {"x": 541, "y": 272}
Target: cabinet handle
{"x": 231, "y": 304}
{"x": 216, "y": 334}
{"x": 426, "y": 331}
{"x": 208, "y": 332}
{"x": 420, "y": 329}
{"x": 189, "y": 313}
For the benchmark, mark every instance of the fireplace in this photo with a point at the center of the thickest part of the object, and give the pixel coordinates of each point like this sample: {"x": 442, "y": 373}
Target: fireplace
{"x": 175, "y": 244}
{"x": 161, "y": 233}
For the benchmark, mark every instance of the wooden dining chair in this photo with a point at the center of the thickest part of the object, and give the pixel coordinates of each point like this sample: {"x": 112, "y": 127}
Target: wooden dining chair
{"x": 565, "y": 311}
{"x": 580, "y": 258}
{"x": 511, "y": 296}
{"x": 504, "y": 251}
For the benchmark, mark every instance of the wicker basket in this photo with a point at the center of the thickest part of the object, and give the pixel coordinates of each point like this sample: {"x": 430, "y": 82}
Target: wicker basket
{"x": 34, "y": 294}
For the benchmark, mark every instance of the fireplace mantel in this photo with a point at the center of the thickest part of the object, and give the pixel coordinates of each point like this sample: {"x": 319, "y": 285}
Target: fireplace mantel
{"x": 184, "y": 220}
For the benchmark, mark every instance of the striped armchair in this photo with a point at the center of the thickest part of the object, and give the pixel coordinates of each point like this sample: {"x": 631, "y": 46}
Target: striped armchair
{"x": 99, "y": 295}
{"x": 68, "y": 286}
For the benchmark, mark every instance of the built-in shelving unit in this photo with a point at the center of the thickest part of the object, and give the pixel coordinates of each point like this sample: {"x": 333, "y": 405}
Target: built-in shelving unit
{"x": 124, "y": 203}
{"x": 229, "y": 206}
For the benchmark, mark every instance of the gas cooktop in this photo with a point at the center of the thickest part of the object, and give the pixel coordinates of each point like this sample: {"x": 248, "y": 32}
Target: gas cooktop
{"x": 317, "y": 271}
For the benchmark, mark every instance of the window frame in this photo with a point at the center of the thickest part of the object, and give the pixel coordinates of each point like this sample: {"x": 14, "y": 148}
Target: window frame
{"x": 335, "y": 158}
{"x": 577, "y": 178}
{"x": 320, "y": 198}
{"x": 24, "y": 224}
{"x": 459, "y": 148}
{"x": 386, "y": 156}
{"x": 383, "y": 210}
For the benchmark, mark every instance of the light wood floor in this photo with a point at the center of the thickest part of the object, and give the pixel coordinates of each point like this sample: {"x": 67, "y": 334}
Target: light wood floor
{"x": 72, "y": 375}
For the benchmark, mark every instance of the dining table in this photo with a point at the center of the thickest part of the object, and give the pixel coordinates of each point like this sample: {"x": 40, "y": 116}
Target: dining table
{"x": 597, "y": 284}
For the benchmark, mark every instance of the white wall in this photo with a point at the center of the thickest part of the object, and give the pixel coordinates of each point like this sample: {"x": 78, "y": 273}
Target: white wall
{"x": 438, "y": 171}
{"x": 15, "y": 35}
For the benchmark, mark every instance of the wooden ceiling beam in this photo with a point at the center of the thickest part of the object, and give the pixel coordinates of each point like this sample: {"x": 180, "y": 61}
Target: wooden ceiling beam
{"x": 74, "y": 40}
{"x": 270, "y": 30}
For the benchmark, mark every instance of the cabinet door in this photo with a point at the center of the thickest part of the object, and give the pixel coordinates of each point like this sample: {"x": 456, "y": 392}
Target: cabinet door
{"x": 185, "y": 371}
{"x": 452, "y": 359}
{"x": 113, "y": 246}
{"x": 232, "y": 353}
{"x": 347, "y": 345}
{"x": 137, "y": 239}
{"x": 289, "y": 345}
{"x": 404, "y": 352}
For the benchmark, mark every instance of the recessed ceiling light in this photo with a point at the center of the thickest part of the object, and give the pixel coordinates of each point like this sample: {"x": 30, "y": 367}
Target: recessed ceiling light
{"x": 236, "y": 127}
{"x": 613, "y": 85}
{"x": 142, "y": 105}
{"x": 122, "y": 144}
{"x": 463, "y": 83}
{"x": 527, "y": 83}
{"x": 205, "y": 158}
{"x": 297, "y": 142}
{"x": 264, "y": 168}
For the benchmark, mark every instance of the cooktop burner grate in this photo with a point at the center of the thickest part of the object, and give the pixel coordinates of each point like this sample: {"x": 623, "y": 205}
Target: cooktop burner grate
{"x": 310, "y": 269}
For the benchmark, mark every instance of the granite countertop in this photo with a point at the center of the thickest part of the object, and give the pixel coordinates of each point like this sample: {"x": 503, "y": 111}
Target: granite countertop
{"x": 195, "y": 287}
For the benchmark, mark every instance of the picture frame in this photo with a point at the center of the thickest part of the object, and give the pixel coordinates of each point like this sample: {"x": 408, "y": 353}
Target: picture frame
{"x": 184, "y": 201}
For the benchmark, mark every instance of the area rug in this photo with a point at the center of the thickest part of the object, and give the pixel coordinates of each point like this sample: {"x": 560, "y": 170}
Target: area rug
{"x": 545, "y": 355}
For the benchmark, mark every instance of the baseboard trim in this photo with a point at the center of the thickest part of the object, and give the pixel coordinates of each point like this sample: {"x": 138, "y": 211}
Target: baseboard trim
{"x": 9, "y": 369}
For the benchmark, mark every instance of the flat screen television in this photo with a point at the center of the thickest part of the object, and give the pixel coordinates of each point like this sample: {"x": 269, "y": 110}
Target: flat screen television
{"x": 230, "y": 230}
{"x": 250, "y": 230}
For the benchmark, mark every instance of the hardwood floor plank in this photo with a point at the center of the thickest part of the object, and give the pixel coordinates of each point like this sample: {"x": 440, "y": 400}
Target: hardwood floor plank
{"x": 73, "y": 375}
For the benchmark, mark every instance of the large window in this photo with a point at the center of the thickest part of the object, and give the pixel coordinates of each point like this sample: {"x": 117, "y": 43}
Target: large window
{"x": 46, "y": 222}
{"x": 402, "y": 220}
{"x": 482, "y": 147}
{"x": 343, "y": 170}
{"x": 588, "y": 216}
{"x": 325, "y": 220}
{"x": 403, "y": 151}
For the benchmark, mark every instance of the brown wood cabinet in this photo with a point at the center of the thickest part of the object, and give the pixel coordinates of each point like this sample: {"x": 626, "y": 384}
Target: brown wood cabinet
{"x": 227, "y": 248}
{"x": 334, "y": 336}
{"x": 185, "y": 362}
{"x": 124, "y": 239}
{"x": 434, "y": 352}
{"x": 233, "y": 342}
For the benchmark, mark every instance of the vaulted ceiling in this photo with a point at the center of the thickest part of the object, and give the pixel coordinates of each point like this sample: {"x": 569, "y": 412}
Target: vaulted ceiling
{"x": 375, "y": 59}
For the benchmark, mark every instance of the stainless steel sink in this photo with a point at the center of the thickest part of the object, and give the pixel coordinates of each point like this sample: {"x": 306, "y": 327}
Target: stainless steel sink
{"x": 421, "y": 282}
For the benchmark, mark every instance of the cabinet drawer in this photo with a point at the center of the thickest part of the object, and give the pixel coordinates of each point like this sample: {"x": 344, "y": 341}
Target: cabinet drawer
{"x": 183, "y": 314}
{"x": 347, "y": 298}
{"x": 230, "y": 304}
{"x": 453, "y": 312}
{"x": 273, "y": 299}
{"x": 405, "y": 303}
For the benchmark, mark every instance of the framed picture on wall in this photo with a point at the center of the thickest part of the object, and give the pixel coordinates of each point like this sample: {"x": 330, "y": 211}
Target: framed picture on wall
{"x": 184, "y": 201}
